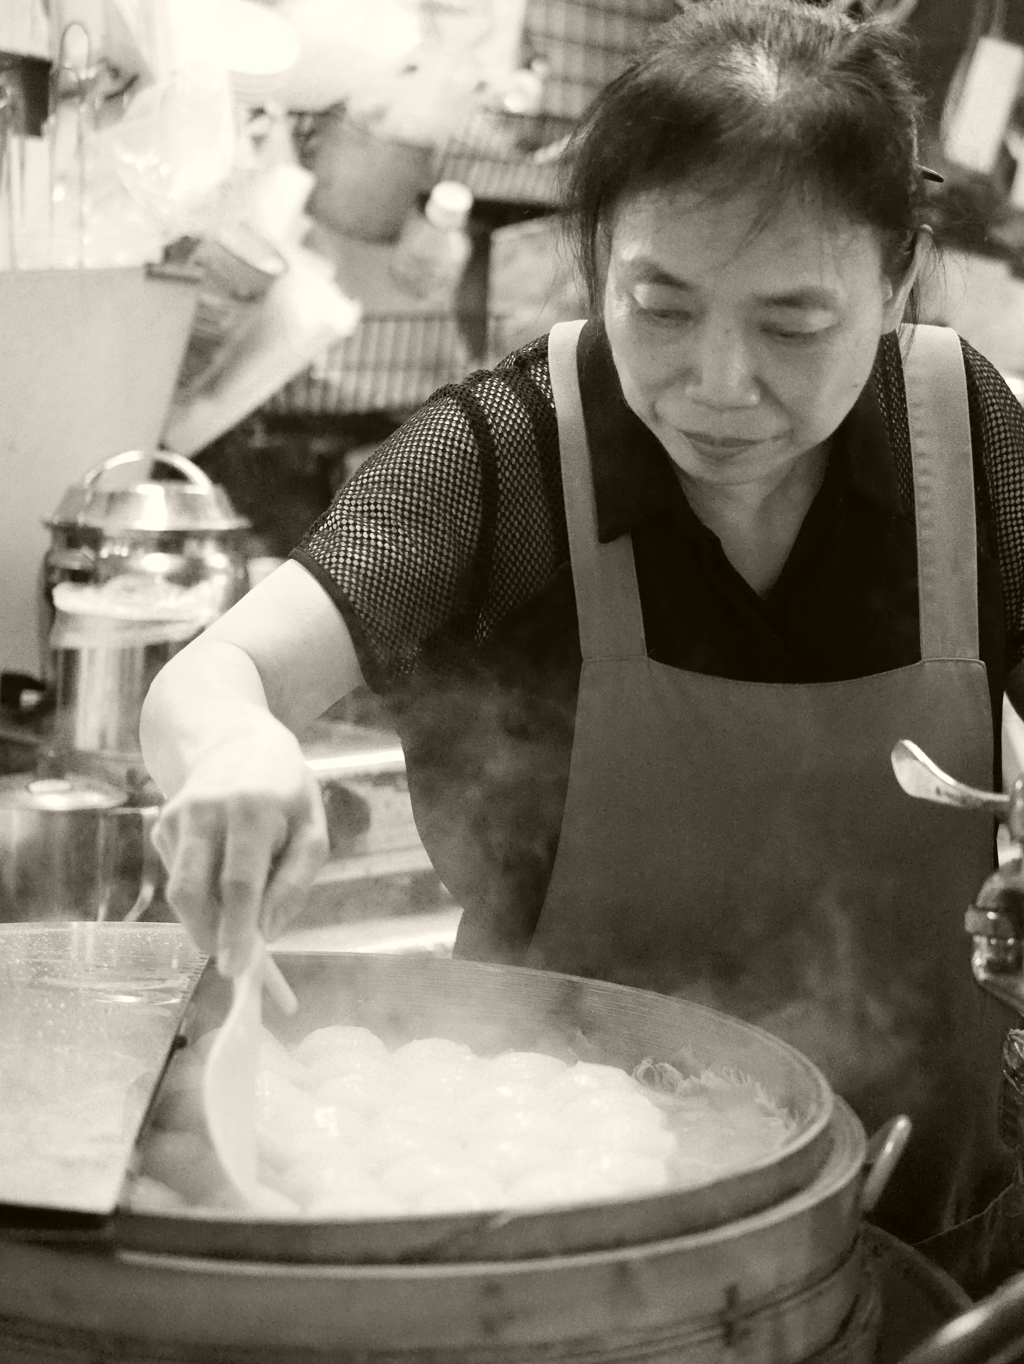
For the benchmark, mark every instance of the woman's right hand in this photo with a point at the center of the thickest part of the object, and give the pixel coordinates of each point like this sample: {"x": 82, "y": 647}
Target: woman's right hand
{"x": 242, "y": 839}
{"x": 243, "y": 832}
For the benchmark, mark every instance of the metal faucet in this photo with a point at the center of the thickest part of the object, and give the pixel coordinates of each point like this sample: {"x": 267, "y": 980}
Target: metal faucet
{"x": 996, "y": 919}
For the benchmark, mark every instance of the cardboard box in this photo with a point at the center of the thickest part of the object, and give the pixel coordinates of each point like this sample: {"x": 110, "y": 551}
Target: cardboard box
{"x": 88, "y": 362}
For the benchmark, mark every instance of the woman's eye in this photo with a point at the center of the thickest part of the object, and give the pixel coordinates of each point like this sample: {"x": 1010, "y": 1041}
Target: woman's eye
{"x": 812, "y": 328}
{"x": 787, "y": 334}
{"x": 661, "y": 305}
{"x": 663, "y": 312}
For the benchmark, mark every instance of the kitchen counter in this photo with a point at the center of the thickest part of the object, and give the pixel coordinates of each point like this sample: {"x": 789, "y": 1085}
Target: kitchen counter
{"x": 378, "y": 868}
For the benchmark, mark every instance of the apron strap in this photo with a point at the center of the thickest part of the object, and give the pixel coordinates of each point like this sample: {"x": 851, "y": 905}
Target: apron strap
{"x": 940, "y": 444}
{"x": 604, "y": 576}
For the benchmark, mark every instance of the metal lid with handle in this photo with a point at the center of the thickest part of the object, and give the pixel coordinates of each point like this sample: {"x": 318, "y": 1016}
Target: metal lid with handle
{"x": 996, "y": 919}
{"x": 190, "y": 502}
{"x": 995, "y": 922}
{"x": 921, "y": 777}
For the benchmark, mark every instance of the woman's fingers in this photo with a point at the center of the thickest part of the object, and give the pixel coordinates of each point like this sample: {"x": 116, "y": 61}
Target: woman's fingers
{"x": 254, "y": 836}
{"x": 297, "y": 866}
{"x": 242, "y": 840}
{"x": 190, "y": 842}
{"x": 239, "y": 865}
{"x": 290, "y": 883}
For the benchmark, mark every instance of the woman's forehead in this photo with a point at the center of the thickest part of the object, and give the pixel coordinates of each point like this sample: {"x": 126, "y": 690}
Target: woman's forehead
{"x": 741, "y": 242}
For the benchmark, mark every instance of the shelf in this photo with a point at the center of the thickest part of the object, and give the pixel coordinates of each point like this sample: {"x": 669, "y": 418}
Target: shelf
{"x": 497, "y": 178}
{"x": 390, "y": 363}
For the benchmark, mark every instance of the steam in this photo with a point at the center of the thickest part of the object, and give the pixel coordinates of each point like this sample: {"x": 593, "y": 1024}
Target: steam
{"x": 863, "y": 1016}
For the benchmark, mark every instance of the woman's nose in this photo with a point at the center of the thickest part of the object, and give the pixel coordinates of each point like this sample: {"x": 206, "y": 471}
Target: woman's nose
{"x": 721, "y": 373}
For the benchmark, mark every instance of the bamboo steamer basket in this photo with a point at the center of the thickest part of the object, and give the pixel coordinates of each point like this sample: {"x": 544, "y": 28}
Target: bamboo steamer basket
{"x": 493, "y": 1008}
{"x": 776, "y": 1288}
{"x": 915, "y": 1299}
{"x": 765, "y": 1265}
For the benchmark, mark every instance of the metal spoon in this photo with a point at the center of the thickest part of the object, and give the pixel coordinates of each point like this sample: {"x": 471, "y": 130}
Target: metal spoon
{"x": 920, "y": 777}
{"x": 229, "y": 1077}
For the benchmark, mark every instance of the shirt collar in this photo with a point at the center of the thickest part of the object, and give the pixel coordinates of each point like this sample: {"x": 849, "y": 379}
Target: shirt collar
{"x": 633, "y": 477}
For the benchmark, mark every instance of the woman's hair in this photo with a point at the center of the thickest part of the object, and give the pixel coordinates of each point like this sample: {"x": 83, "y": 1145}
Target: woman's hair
{"x": 778, "y": 97}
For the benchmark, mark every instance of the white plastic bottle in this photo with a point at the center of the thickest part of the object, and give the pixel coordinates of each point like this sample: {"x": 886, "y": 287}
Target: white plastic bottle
{"x": 434, "y": 247}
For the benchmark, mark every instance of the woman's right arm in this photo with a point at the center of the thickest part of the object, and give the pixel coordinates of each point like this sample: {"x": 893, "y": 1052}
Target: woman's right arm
{"x": 243, "y": 831}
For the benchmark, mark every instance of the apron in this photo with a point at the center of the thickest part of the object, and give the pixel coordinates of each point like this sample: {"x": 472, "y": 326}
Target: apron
{"x": 746, "y": 845}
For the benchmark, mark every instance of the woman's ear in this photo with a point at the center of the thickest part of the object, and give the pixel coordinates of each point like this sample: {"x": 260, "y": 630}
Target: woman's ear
{"x": 896, "y": 306}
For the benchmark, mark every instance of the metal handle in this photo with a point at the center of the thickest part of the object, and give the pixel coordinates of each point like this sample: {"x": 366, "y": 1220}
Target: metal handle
{"x": 1011, "y": 1094}
{"x": 883, "y": 1155}
{"x": 920, "y": 777}
{"x": 184, "y": 466}
{"x": 152, "y": 867}
{"x": 989, "y": 1333}
{"x": 996, "y": 919}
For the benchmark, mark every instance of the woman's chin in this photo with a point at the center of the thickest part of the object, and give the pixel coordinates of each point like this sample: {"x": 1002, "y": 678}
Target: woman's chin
{"x": 723, "y": 467}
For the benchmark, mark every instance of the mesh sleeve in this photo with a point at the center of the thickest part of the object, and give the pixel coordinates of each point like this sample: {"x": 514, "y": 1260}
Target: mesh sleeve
{"x": 997, "y": 421}
{"x": 453, "y": 523}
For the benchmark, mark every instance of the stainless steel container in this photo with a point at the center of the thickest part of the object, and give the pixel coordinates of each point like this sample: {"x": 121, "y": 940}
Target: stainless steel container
{"x": 101, "y": 679}
{"x": 178, "y": 539}
{"x": 71, "y": 848}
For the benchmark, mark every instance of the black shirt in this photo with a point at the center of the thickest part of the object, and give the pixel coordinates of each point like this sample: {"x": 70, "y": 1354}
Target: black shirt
{"x": 448, "y": 558}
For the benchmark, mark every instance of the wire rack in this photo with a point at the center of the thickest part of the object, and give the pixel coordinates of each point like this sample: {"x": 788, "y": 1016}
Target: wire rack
{"x": 583, "y": 44}
{"x": 506, "y": 159}
{"x": 389, "y": 364}
{"x": 394, "y": 363}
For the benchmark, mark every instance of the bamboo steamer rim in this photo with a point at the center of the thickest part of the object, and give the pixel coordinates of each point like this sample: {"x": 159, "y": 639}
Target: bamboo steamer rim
{"x": 842, "y": 1171}
{"x": 510, "y": 993}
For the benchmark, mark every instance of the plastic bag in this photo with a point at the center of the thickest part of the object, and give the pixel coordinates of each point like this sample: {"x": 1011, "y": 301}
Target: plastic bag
{"x": 176, "y": 145}
{"x": 412, "y": 71}
{"x": 131, "y": 610}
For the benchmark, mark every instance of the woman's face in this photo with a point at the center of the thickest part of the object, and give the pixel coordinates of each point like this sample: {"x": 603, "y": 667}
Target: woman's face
{"x": 742, "y": 347}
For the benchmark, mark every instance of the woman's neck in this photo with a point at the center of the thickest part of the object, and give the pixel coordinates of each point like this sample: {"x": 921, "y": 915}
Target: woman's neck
{"x": 757, "y": 522}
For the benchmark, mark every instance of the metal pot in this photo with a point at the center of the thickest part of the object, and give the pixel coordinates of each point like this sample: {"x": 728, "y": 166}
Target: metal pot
{"x": 71, "y": 848}
{"x": 155, "y": 539}
{"x": 366, "y": 186}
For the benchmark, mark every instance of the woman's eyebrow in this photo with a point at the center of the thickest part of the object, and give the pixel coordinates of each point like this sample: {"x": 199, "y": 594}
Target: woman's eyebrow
{"x": 652, "y": 273}
{"x": 810, "y": 296}
{"x": 805, "y": 296}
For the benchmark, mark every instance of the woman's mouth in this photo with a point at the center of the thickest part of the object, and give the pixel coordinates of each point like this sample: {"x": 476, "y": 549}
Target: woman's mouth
{"x": 722, "y": 445}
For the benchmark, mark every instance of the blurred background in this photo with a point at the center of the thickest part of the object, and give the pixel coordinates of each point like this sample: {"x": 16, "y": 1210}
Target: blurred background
{"x": 257, "y": 236}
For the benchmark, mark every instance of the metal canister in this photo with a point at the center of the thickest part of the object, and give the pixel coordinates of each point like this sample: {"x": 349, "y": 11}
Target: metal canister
{"x": 137, "y": 540}
{"x": 76, "y": 847}
{"x": 52, "y": 853}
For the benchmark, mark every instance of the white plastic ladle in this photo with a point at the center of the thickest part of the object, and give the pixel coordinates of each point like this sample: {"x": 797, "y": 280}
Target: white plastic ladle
{"x": 229, "y": 1077}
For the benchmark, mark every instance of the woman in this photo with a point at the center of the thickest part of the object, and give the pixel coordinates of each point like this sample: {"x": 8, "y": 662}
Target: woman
{"x": 698, "y": 548}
